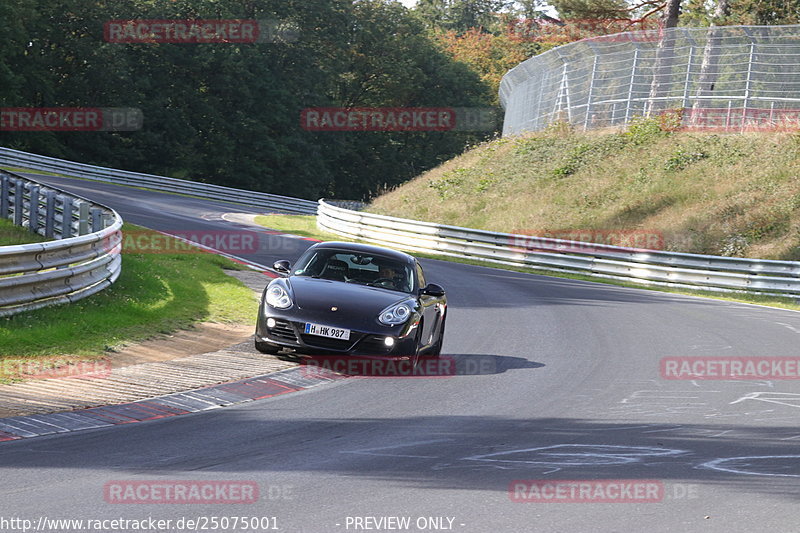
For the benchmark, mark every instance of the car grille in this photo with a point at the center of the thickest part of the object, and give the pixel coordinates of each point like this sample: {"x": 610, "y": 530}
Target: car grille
{"x": 326, "y": 343}
{"x": 283, "y": 330}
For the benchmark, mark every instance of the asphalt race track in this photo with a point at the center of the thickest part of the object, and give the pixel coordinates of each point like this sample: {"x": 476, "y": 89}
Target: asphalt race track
{"x": 558, "y": 380}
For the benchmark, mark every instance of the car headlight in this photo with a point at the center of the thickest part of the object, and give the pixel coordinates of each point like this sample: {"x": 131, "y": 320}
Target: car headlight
{"x": 278, "y": 297}
{"x": 395, "y": 314}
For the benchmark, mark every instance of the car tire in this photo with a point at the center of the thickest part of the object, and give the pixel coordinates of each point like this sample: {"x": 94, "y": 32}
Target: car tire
{"x": 417, "y": 341}
{"x": 268, "y": 348}
{"x": 436, "y": 350}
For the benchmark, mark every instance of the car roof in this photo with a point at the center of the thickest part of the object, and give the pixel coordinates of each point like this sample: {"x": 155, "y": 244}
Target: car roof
{"x": 367, "y": 249}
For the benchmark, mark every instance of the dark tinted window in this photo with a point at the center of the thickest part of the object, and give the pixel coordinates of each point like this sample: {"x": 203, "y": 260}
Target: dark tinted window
{"x": 353, "y": 267}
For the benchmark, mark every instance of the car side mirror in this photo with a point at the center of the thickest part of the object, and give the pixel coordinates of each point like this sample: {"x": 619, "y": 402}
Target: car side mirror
{"x": 433, "y": 289}
{"x": 282, "y": 266}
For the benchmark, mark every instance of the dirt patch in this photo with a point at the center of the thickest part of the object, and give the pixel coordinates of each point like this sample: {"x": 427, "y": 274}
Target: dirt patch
{"x": 202, "y": 338}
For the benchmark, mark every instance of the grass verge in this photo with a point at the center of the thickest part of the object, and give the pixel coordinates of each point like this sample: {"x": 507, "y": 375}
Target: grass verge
{"x": 11, "y": 235}
{"x": 306, "y": 226}
{"x": 734, "y": 195}
{"x": 155, "y": 294}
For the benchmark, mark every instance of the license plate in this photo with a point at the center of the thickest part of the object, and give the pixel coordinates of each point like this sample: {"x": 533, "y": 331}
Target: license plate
{"x": 327, "y": 331}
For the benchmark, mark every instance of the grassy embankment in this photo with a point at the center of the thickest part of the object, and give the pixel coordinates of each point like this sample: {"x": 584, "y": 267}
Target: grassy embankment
{"x": 155, "y": 294}
{"x": 736, "y": 195}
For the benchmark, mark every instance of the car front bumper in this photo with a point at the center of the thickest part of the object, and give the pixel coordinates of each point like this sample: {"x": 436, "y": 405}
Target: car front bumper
{"x": 288, "y": 332}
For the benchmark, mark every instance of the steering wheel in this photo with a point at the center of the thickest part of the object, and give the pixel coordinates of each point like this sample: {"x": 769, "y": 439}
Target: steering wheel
{"x": 382, "y": 282}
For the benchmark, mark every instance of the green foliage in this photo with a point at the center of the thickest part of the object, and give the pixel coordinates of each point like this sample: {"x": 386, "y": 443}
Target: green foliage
{"x": 682, "y": 158}
{"x": 586, "y": 152}
{"x": 449, "y": 182}
{"x": 766, "y": 11}
{"x": 230, "y": 113}
{"x": 485, "y": 183}
{"x": 591, "y": 9}
{"x": 645, "y": 130}
{"x": 461, "y": 15}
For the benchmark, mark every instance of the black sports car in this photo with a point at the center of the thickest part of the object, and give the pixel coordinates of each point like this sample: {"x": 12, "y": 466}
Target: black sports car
{"x": 355, "y": 299}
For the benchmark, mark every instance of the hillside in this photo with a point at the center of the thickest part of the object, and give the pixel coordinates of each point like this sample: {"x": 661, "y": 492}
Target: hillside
{"x": 733, "y": 194}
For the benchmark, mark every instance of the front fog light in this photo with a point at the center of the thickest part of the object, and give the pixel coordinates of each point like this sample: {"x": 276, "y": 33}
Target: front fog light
{"x": 270, "y": 323}
{"x": 389, "y": 341}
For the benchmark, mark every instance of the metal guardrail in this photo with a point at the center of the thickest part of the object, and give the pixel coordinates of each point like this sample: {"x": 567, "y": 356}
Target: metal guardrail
{"x": 83, "y": 261}
{"x": 16, "y": 158}
{"x": 642, "y": 266}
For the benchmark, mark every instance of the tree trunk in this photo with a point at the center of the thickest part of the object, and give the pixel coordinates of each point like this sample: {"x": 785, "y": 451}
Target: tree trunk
{"x": 670, "y": 17}
{"x": 662, "y": 69}
{"x": 710, "y": 66}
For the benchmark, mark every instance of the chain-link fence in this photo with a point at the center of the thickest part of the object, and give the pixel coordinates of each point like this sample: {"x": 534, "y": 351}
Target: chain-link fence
{"x": 726, "y": 78}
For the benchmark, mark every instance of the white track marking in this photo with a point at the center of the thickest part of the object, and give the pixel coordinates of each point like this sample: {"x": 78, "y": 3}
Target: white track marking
{"x": 728, "y": 464}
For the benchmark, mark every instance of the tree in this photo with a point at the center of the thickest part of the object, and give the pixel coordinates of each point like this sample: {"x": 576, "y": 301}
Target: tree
{"x": 665, "y": 57}
{"x": 591, "y": 9}
{"x": 230, "y": 113}
{"x": 462, "y": 15}
{"x": 766, "y": 11}
{"x": 672, "y": 10}
{"x": 710, "y": 66}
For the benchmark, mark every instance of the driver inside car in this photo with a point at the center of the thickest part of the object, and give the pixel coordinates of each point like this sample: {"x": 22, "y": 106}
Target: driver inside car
{"x": 388, "y": 274}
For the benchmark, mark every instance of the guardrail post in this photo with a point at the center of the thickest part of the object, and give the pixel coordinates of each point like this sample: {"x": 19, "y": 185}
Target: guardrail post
{"x": 66, "y": 218}
{"x": 83, "y": 218}
{"x": 97, "y": 219}
{"x": 33, "y": 206}
{"x": 5, "y": 183}
{"x": 50, "y": 215}
{"x": 19, "y": 198}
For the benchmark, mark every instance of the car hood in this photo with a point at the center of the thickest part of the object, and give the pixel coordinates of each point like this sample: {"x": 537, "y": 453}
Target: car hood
{"x": 312, "y": 294}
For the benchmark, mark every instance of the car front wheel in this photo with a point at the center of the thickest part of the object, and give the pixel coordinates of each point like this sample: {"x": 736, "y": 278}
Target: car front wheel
{"x": 436, "y": 350}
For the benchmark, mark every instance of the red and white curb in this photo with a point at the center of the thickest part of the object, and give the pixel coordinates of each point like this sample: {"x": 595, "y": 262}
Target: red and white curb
{"x": 213, "y": 397}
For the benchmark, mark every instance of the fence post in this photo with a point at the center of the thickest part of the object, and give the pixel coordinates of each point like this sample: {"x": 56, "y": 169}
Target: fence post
{"x": 97, "y": 219}
{"x": 591, "y": 91}
{"x": 688, "y": 78}
{"x": 559, "y": 102}
{"x": 66, "y": 218}
{"x": 19, "y": 197}
{"x": 566, "y": 91}
{"x": 33, "y": 206}
{"x": 728, "y": 116}
{"x": 630, "y": 87}
{"x": 5, "y": 184}
{"x": 747, "y": 83}
{"x": 50, "y": 215}
{"x": 83, "y": 218}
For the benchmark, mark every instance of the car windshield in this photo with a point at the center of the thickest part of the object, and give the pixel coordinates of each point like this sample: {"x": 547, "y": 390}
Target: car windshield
{"x": 355, "y": 267}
